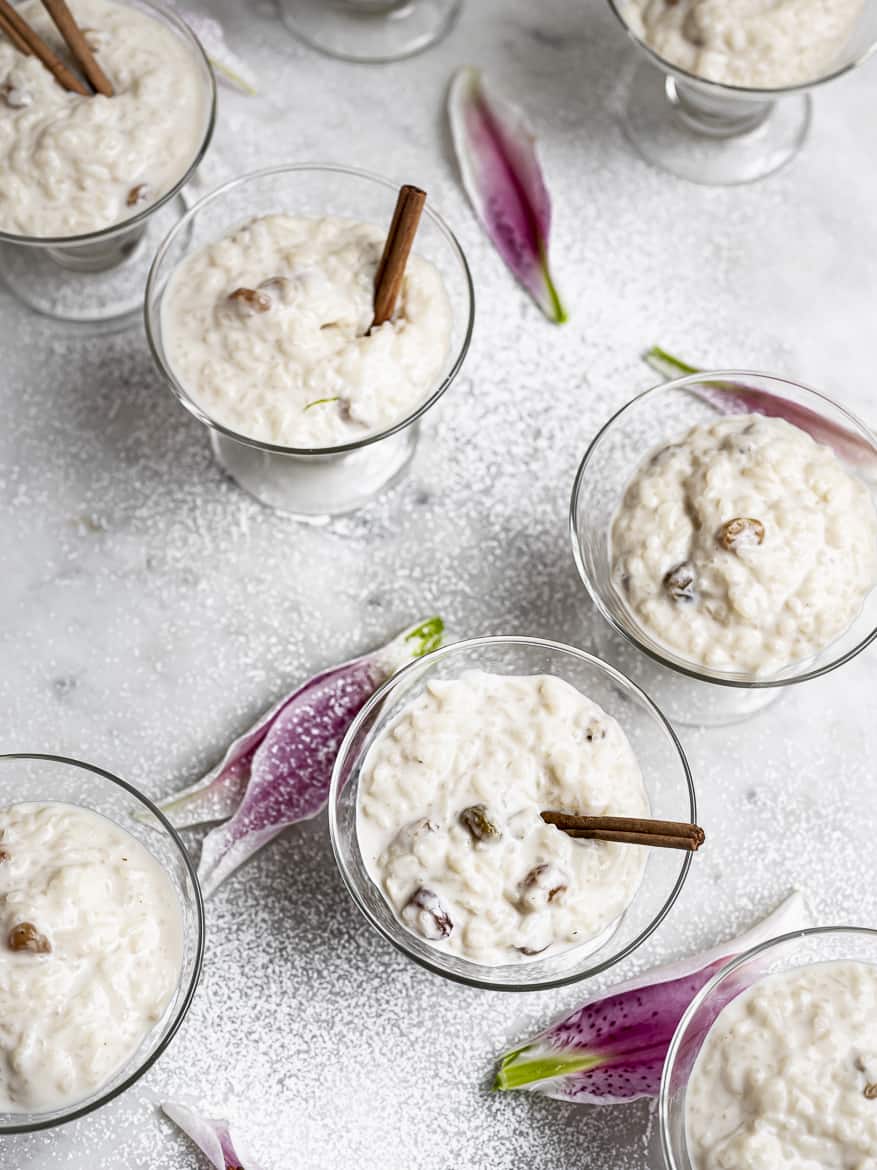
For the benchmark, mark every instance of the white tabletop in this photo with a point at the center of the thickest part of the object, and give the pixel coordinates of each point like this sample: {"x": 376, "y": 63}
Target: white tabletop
{"x": 151, "y": 609}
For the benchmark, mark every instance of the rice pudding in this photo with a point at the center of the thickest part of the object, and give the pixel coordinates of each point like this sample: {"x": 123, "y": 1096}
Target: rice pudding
{"x": 268, "y": 331}
{"x": 787, "y": 1075}
{"x": 757, "y": 44}
{"x": 71, "y": 165}
{"x": 449, "y": 825}
{"x": 744, "y": 546}
{"x": 90, "y": 953}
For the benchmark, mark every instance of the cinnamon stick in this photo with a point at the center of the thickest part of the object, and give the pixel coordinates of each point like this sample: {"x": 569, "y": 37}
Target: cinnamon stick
{"x": 78, "y": 46}
{"x": 629, "y": 830}
{"x": 12, "y": 36}
{"x": 400, "y": 237}
{"x": 64, "y": 76}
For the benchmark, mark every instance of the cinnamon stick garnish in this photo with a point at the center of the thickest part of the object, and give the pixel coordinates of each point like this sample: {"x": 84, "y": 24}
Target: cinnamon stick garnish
{"x": 64, "y": 76}
{"x": 629, "y": 830}
{"x": 400, "y": 237}
{"x": 78, "y": 46}
{"x": 12, "y": 36}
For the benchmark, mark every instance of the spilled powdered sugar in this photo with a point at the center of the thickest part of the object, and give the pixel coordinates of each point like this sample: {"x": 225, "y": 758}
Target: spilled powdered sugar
{"x": 153, "y": 611}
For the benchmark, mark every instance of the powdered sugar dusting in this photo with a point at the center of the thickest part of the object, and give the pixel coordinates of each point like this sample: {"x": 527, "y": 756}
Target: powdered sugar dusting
{"x": 153, "y": 611}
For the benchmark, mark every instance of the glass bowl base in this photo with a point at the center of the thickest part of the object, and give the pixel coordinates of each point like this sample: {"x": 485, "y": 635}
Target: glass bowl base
{"x": 97, "y": 285}
{"x": 712, "y": 142}
{"x": 687, "y": 702}
{"x": 370, "y": 30}
{"x": 314, "y": 489}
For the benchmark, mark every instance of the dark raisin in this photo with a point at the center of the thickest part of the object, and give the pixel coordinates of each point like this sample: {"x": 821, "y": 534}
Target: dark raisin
{"x": 541, "y": 885}
{"x": 138, "y": 194}
{"x": 480, "y": 826}
{"x": 15, "y": 97}
{"x": 741, "y": 532}
{"x": 248, "y": 301}
{"x": 26, "y": 937}
{"x": 425, "y": 912}
{"x": 680, "y": 582}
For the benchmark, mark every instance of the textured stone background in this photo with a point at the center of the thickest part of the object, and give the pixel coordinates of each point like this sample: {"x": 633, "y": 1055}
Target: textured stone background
{"x": 150, "y": 609}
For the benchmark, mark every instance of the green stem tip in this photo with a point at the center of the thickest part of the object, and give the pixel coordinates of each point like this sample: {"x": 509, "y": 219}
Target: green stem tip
{"x": 662, "y": 361}
{"x": 428, "y": 636}
{"x": 518, "y": 1074}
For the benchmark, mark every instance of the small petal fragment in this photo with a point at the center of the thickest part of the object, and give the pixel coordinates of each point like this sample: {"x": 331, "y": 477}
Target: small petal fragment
{"x": 227, "y": 65}
{"x": 212, "y": 1137}
{"x": 287, "y": 758}
{"x": 496, "y": 150}
{"x": 737, "y": 398}
{"x": 612, "y": 1049}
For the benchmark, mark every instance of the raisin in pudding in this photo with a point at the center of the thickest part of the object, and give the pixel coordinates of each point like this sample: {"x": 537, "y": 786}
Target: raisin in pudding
{"x": 71, "y": 165}
{"x": 787, "y": 1075}
{"x": 91, "y": 943}
{"x": 449, "y": 824}
{"x": 757, "y": 44}
{"x": 268, "y": 331}
{"x": 744, "y": 546}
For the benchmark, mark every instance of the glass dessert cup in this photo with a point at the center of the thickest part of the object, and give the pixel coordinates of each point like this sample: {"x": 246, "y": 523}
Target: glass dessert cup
{"x": 98, "y": 278}
{"x": 690, "y": 693}
{"x": 717, "y": 134}
{"x": 790, "y": 951}
{"x": 27, "y": 777}
{"x": 370, "y": 30}
{"x": 666, "y": 777}
{"x": 312, "y": 484}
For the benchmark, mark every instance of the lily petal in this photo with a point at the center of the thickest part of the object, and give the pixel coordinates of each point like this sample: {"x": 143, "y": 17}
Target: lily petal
{"x": 496, "y": 150}
{"x": 212, "y": 1137}
{"x": 612, "y": 1049}
{"x": 286, "y": 760}
{"x": 737, "y": 398}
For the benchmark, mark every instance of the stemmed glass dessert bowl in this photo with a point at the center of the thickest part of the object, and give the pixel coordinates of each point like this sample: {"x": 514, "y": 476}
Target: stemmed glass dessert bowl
{"x": 371, "y": 31}
{"x": 665, "y": 774}
{"x": 97, "y": 278}
{"x": 689, "y": 692}
{"x": 312, "y": 484}
{"x": 785, "y": 954}
{"x": 26, "y": 778}
{"x": 719, "y": 134}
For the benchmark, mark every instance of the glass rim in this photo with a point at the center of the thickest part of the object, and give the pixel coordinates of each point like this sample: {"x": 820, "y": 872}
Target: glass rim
{"x": 198, "y": 411}
{"x": 706, "y": 991}
{"x": 742, "y": 91}
{"x": 78, "y": 1111}
{"x": 398, "y": 939}
{"x": 106, "y": 233}
{"x": 737, "y": 679}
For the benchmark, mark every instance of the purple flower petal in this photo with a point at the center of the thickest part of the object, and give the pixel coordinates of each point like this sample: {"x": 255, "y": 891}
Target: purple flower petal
{"x": 283, "y": 765}
{"x": 737, "y": 398}
{"x": 612, "y": 1049}
{"x": 213, "y": 1138}
{"x": 496, "y": 150}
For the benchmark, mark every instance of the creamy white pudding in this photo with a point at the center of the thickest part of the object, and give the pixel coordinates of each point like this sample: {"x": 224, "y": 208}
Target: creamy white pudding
{"x": 449, "y": 825}
{"x": 90, "y": 953}
{"x": 71, "y": 165}
{"x": 745, "y": 545}
{"x": 758, "y": 44}
{"x": 268, "y": 331}
{"x": 787, "y": 1076}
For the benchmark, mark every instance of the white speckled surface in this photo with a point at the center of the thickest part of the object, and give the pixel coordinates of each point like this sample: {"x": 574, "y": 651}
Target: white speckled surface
{"x": 150, "y": 609}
